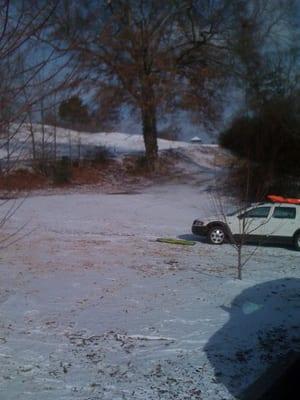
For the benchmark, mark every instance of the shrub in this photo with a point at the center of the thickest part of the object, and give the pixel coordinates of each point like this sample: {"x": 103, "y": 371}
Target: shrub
{"x": 249, "y": 182}
{"x": 136, "y": 165}
{"x": 43, "y": 167}
{"x": 141, "y": 164}
{"x": 267, "y": 145}
{"x": 270, "y": 138}
{"x": 101, "y": 155}
{"x": 62, "y": 171}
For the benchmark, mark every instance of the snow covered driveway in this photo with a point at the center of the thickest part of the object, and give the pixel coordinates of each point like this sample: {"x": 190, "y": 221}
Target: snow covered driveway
{"x": 91, "y": 307}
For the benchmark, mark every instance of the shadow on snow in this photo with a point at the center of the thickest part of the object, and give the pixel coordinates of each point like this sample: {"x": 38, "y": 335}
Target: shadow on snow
{"x": 263, "y": 326}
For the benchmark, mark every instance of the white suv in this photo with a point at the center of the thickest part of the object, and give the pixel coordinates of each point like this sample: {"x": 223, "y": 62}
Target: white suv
{"x": 262, "y": 223}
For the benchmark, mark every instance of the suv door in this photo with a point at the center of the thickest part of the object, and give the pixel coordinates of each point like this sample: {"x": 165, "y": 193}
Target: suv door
{"x": 252, "y": 222}
{"x": 282, "y": 221}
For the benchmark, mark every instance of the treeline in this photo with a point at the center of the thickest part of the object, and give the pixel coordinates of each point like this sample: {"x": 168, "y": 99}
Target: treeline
{"x": 267, "y": 143}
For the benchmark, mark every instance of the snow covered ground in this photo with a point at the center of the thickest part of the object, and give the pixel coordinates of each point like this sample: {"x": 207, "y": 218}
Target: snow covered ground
{"x": 68, "y": 141}
{"x": 92, "y": 307}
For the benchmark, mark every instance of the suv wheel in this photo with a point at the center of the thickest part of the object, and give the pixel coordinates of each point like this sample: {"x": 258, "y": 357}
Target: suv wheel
{"x": 297, "y": 241}
{"x": 216, "y": 235}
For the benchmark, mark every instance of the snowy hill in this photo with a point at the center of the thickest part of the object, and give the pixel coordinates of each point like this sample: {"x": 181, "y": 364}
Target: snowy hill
{"x": 47, "y": 140}
{"x": 120, "y": 142}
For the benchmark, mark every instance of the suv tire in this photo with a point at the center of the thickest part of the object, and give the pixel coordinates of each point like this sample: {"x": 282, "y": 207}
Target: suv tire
{"x": 217, "y": 235}
{"x": 297, "y": 241}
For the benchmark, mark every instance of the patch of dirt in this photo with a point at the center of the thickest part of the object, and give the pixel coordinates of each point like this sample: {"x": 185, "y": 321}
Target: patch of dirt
{"x": 125, "y": 175}
{"x": 88, "y": 174}
{"x": 136, "y": 165}
{"x": 113, "y": 176}
{"x": 23, "y": 180}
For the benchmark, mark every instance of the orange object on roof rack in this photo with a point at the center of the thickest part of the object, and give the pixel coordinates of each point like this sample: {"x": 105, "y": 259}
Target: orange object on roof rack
{"x": 280, "y": 199}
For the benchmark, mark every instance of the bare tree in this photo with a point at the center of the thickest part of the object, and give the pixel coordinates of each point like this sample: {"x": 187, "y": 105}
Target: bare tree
{"x": 28, "y": 66}
{"x": 236, "y": 227}
{"x": 243, "y": 219}
{"x": 144, "y": 53}
{"x": 23, "y": 57}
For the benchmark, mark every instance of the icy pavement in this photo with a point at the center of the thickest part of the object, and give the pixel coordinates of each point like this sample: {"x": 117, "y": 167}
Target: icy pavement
{"x": 91, "y": 307}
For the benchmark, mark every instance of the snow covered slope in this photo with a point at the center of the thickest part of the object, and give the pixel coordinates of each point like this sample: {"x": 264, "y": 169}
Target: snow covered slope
{"x": 59, "y": 142}
{"x": 120, "y": 142}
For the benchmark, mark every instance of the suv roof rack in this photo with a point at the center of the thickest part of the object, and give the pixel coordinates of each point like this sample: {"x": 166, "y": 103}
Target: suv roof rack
{"x": 280, "y": 199}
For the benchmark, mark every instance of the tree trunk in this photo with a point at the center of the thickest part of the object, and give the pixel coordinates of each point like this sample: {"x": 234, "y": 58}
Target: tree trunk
{"x": 31, "y": 130}
{"x": 150, "y": 136}
{"x": 239, "y": 262}
{"x": 43, "y": 131}
{"x": 148, "y": 111}
{"x": 55, "y": 143}
{"x": 8, "y": 148}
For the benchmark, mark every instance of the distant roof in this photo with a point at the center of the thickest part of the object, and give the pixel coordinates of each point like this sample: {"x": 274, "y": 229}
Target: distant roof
{"x": 196, "y": 139}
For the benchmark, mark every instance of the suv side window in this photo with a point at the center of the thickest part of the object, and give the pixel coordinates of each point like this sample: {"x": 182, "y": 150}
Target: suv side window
{"x": 284, "y": 212}
{"x": 258, "y": 212}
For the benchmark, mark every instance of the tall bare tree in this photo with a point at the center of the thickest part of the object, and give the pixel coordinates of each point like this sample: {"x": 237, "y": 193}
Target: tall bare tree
{"x": 144, "y": 53}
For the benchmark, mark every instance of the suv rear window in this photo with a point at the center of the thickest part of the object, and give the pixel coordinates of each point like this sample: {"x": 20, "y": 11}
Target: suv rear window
{"x": 284, "y": 212}
{"x": 258, "y": 212}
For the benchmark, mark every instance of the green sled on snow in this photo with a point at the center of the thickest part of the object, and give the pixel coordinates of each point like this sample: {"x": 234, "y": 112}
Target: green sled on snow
{"x": 176, "y": 241}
